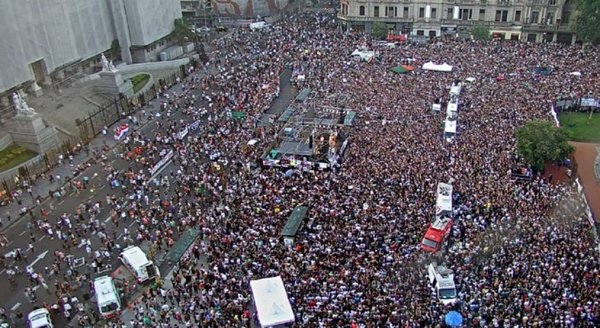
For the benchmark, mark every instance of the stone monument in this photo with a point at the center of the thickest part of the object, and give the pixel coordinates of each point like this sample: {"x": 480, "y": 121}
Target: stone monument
{"x": 29, "y": 130}
{"x": 111, "y": 81}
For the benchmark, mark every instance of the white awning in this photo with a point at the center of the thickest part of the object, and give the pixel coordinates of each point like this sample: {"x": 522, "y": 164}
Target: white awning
{"x": 430, "y": 66}
{"x": 271, "y": 301}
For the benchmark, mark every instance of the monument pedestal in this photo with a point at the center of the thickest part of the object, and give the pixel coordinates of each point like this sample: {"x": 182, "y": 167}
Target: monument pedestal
{"x": 36, "y": 90}
{"x": 113, "y": 83}
{"x": 31, "y": 132}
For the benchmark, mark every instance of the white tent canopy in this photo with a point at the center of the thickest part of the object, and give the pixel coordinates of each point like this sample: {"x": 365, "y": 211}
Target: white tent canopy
{"x": 271, "y": 301}
{"x": 430, "y": 66}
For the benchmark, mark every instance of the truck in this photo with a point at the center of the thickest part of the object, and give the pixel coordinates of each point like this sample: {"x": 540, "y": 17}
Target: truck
{"x": 436, "y": 234}
{"x": 442, "y": 282}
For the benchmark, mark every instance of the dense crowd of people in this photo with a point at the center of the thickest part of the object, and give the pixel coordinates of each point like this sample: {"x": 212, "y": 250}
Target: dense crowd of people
{"x": 521, "y": 252}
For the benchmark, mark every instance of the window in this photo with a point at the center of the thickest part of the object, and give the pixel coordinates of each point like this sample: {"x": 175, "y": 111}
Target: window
{"x": 432, "y": 34}
{"x": 420, "y": 32}
{"x": 466, "y": 14}
{"x": 449, "y": 13}
{"x": 376, "y": 11}
{"x": 505, "y": 15}
{"x": 535, "y": 17}
{"x": 433, "y": 13}
{"x": 531, "y": 37}
{"x": 390, "y": 12}
{"x": 421, "y": 12}
{"x": 481, "y": 14}
{"x": 552, "y": 2}
{"x": 549, "y": 18}
{"x": 517, "y": 16}
{"x": 498, "y": 15}
{"x": 361, "y": 10}
{"x": 405, "y": 15}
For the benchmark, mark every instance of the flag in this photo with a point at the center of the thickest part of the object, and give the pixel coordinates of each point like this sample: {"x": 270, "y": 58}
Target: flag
{"x": 121, "y": 131}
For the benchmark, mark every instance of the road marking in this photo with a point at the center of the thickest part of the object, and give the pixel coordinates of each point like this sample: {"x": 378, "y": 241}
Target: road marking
{"x": 107, "y": 219}
{"x": 102, "y": 186}
{"x": 37, "y": 259}
{"x": 61, "y": 202}
{"x": 36, "y": 288}
{"x": 10, "y": 243}
{"x": 43, "y": 237}
{"x": 3, "y": 270}
{"x": 16, "y": 306}
{"x": 132, "y": 223}
{"x": 22, "y": 233}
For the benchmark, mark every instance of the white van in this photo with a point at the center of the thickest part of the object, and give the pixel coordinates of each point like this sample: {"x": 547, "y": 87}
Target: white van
{"x": 39, "y": 318}
{"x": 442, "y": 281}
{"x": 107, "y": 296}
{"x": 137, "y": 263}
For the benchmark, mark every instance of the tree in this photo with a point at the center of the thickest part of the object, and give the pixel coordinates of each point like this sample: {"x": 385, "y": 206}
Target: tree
{"x": 380, "y": 30}
{"x": 539, "y": 142}
{"x": 481, "y": 33}
{"x": 182, "y": 32}
{"x": 586, "y": 24}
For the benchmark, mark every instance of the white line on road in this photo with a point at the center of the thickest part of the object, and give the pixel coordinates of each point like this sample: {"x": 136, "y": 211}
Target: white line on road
{"x": 10, "y": 243}
{"x": 102, "y": 186}
{"x": 132, "y": 223}
{"x": 61, "y": 202}
{"x": 3, "y": 270}
{"x": 16, "y": 306}
{"x": 22, "y": 233}
{"x": 36, "y": 288}
{"x": 107, "y": 219}
{"x": 43, "y": 237}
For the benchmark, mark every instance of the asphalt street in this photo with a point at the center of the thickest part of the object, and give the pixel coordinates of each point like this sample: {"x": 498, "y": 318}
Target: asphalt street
{"x": 38, "y": 248}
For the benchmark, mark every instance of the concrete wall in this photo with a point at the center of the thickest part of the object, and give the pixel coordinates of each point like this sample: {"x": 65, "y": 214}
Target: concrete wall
{"x": 150, "y": 20}
{"x": 5, "y": 140}
{"x": 154, "y": 66}
{"x": 57, "y": 31}
{"x": 62, "y": 32}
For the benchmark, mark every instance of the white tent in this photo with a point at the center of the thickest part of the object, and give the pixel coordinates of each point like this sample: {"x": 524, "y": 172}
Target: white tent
{"x": 271, "y": 301}
{"x": 430, "y": 66}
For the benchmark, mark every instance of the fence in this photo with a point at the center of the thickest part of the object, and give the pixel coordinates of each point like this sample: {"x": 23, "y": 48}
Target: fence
{"x": 39, "y": 165}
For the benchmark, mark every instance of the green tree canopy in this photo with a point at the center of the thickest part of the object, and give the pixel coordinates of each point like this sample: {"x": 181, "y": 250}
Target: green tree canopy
{"x": 481, "y": 33}
{"x": 539, "y": 142}
{"x": 182, "y": 32}
{"x": 380, "y": 30}
{"x": 586, "y": 23}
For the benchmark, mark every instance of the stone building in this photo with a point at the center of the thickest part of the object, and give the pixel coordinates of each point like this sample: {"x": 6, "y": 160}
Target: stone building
{"x": 526, "y": 20}
{"x": 51, "y": 43}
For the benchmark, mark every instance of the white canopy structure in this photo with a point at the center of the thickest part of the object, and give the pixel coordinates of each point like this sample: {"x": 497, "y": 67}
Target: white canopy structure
{"x": 271, "y": 301}
{"x": 430, "y": 66}
{"x": 364, "y": 55}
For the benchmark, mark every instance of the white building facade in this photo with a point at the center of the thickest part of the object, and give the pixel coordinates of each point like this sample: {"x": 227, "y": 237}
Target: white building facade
{"x": 527, "y": 20}
{"x": 47, "y": 40}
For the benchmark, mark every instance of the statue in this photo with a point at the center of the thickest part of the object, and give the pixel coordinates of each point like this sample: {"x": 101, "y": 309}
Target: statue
{"x": 112, "y": 67}
{"x": 21, "y": 105}
{"x": 105, "y": 64}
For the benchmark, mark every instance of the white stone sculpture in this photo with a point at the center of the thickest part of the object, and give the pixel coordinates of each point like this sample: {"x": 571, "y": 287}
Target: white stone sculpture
{"x": 105, "y": 63}
{"x": 111, "y": 67}
{"x": 21, "y": 106}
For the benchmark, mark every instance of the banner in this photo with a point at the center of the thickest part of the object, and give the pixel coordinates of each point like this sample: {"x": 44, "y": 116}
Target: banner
{"x": 121, "y": 131}
{"x": 184, "y": 132}
{"x": 194, "y": 126}
{"x": 163, "y": 161}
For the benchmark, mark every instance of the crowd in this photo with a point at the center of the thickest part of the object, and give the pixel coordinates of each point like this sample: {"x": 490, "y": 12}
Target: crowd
{"x": 521, "y": 252}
